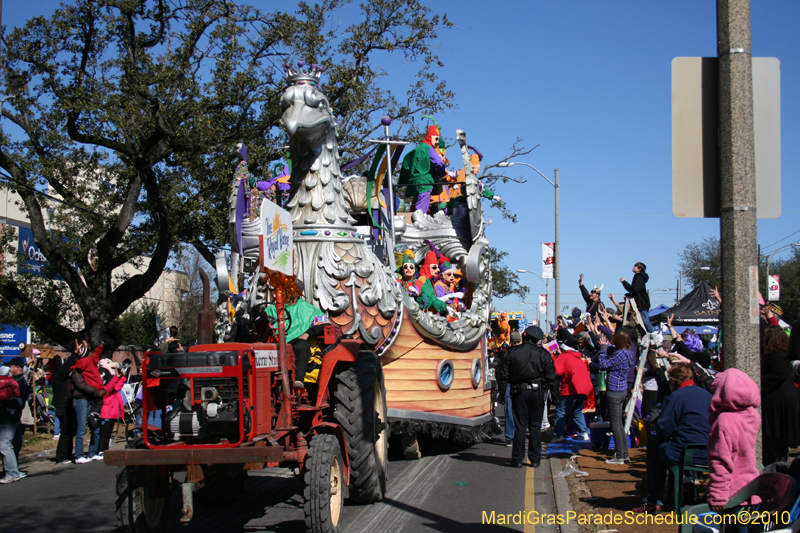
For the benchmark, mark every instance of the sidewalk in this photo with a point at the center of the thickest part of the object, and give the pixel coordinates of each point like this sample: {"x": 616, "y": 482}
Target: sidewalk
{"x": 612, "y": 491}
{"x": 44, "y": 461}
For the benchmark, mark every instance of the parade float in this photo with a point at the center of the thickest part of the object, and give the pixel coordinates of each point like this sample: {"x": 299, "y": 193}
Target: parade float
{"x": 502, "y": 324}
{"x": 347, "y": 236}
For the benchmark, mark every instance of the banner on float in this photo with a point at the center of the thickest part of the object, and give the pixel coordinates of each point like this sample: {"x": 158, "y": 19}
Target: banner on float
{"x": 276, "y": 238}
{"x": 543, "y": 304}
{"x": 547, "y": 260}
{"x": 774, "y": 283}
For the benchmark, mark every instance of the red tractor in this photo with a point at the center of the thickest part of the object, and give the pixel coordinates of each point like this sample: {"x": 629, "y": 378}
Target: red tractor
{"x": 229, "y": 408}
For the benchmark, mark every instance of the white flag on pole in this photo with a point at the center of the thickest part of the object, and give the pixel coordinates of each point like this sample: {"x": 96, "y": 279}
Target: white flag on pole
{"x": 547, "y": 260}
{"x": 774, "y": 282}
{"x": 543, "y": 304}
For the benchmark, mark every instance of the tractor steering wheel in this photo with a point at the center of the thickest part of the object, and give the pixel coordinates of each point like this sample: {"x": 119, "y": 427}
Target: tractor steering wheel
{"x": 287, "y": 320}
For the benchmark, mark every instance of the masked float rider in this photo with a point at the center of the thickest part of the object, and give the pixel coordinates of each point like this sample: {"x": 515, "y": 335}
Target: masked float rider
{"x": 406, "y": 272}
{"x": 304, "y": 322}
{"x": 457, "y": 190}
{"x": 446, "y": 286}
{"x": 428, "y": 275}
{"x": 421, "y": 168}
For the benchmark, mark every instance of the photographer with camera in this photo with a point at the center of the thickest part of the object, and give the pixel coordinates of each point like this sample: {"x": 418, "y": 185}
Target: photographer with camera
{"x": 171, "y": 344}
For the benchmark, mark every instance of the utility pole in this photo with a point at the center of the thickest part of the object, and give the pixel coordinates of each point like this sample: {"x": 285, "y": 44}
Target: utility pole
{"x": 547, "y": 301}
{"x": 557, "y": 253}
{"x": 738, "y": 225}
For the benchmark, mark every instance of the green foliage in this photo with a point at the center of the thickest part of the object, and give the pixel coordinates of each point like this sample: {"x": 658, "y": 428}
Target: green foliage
{"x": 697, "y": 255}
{"x": 504, "y": 281}
{"x": 707, "y": 253}
{"x": 134, "y": 111}
{"x": 789, "y": 271}
{"x": 137, "y": 326}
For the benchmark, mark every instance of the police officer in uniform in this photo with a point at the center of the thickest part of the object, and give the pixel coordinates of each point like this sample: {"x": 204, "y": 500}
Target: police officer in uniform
{"x": 530, "y": 371}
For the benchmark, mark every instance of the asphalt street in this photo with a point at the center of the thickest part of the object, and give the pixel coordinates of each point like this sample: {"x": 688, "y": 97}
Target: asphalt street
{"x": 452, "y": 488}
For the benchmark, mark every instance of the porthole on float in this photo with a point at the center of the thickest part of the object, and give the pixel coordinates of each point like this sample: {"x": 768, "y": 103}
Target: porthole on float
{"x": 477, "y": 371}
{"x": 445, "y": 374}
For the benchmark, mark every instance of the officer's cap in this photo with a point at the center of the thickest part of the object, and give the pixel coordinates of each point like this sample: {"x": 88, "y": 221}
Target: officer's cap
{"x": 535, "y": 332}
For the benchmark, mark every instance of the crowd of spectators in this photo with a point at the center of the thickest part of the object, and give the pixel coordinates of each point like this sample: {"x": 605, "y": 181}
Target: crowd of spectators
{"x": 82, "y": 391}
{"x": 684, "y": 397}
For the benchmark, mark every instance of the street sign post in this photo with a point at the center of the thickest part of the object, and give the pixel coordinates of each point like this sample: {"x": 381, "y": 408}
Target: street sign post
{"x": 695, "y": 137}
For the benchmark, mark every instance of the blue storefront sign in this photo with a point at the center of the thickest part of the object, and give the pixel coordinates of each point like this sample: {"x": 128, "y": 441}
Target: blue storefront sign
{"x": 10, "y": 339}
{"x": 34, "y": 258}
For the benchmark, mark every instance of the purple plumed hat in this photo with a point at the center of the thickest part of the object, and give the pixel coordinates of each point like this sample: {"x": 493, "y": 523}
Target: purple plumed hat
{"x": 693, "y": 342}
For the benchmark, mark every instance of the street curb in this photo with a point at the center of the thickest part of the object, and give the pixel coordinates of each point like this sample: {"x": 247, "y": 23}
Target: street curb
{"x": 561, "y": 494}
{"x": 49, "y": 454}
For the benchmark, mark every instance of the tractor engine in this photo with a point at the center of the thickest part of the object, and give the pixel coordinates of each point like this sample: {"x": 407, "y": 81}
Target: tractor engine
{"x": 207, "y": 393}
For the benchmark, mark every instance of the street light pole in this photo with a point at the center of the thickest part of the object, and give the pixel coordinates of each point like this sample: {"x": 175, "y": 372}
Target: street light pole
{"x": 546, "y": 296}
{"x": 556, "y": 242}
{"x": 547, "y": 302}
{"x": 557, "y": 251}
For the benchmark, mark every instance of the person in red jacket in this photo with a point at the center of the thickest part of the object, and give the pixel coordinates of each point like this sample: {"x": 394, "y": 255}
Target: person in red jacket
{"x": 88, "y": 368}
{"x": 573, "y": 372}
{"x": 88, "y": 391}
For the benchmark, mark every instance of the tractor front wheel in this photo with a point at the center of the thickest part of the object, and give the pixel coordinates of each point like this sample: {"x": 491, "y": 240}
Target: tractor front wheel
{"x": 142, "y": 500}
{"x": 324, "y": 485}
{"x": 361, "y": 411}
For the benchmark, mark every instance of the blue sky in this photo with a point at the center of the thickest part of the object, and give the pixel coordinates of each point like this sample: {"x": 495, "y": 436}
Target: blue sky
{"x": 590, "y": 82}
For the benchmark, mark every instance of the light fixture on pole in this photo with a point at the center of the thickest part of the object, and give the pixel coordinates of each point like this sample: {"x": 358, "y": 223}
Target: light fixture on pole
{"x": 679, "y": 293}
{"x": 530, "y": 306}
{"x": 546, "y": 294}
{"x": 556, "y": 243}
{"x": 16, "y": 85}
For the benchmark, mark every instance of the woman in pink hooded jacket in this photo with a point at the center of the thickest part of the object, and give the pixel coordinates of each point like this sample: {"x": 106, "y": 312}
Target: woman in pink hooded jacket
{"x": 113, "y": 409}
{"x": 734, "y": 423}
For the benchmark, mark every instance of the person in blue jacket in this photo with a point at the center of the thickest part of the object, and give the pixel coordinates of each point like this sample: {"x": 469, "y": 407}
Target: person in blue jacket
{"x": 682, "y": 421}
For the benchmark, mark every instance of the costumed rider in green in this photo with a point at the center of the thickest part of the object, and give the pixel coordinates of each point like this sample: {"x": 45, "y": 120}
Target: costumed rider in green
{"x": 421, "y": 167}
{"x": 428, "y": 274}
{"x": 304, "y": 321}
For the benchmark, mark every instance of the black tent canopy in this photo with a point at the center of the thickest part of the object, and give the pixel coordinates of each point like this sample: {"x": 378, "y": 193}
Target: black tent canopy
{"x": 695, "y": 309}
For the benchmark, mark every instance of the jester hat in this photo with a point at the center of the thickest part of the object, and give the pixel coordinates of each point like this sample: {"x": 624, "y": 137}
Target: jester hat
{"x": 432, "y": 130}
{"x": 407, "y": 258}
{"x": 444, "y": 264}
{"x": 425, "y": 269}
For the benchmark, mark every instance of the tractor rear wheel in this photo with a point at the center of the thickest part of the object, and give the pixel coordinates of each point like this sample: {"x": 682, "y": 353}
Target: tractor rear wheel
{"x": 324, "y": 484}
{"x": 142, "y": 500}
{"x": 361, "y": 411}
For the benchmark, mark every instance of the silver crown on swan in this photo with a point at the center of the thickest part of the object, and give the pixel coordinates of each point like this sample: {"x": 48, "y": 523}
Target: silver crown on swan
{"x": 301, "y": 76}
